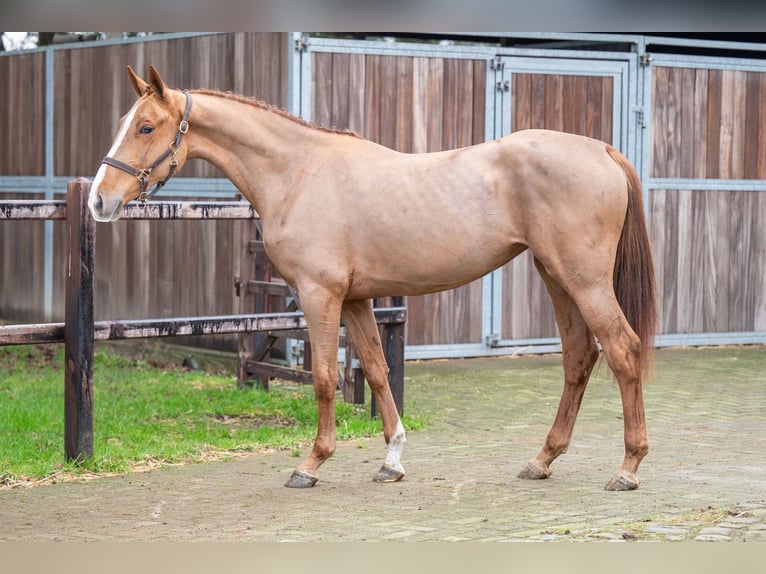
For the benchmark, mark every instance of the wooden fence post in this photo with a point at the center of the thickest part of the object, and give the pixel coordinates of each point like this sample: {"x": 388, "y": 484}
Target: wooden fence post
{"x": 392, "y": 336}
{"x": 78, "y": 328}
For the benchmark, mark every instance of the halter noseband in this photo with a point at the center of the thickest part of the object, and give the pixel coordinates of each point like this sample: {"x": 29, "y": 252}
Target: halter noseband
{"x": 142, "y": 175}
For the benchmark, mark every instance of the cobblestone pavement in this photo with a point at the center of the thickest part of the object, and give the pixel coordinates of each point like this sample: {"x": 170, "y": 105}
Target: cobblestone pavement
{"x": 704, "y": 478}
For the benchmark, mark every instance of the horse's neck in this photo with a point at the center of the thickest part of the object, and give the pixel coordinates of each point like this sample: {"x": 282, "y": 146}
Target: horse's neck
{"x": 254, "y": 147}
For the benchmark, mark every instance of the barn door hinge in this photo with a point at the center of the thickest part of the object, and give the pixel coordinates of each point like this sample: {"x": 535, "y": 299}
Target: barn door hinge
{"x": 644, "y": 59}
{"x": 302, "y": 44}
{"x": 640, "y": 119}
{"x": 497, "y": 64}
{"x": 493, "y": 340}
{"x": 503, "y": 85}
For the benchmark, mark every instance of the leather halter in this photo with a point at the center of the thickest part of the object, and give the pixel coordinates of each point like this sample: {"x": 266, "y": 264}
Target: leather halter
{"x": 142, "y": 175}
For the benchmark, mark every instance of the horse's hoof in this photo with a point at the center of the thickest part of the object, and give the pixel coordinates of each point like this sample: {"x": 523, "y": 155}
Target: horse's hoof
{"x": 534, "y": 472}
{"x": 621, "y": 482}
{"x": 388, "y": 474}
{"x": 300, "y": 479}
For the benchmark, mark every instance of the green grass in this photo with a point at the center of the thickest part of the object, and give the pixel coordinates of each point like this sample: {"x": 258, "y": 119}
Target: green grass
{"x": 145, "y": 415}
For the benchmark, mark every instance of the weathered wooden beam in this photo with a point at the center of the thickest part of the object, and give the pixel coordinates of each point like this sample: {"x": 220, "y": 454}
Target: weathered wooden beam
{"x": 25, "y": 210}
{"x": 268, "y": 288}
{"x": 266, "y": 370}
{"x": 36, "y": 334}
{"x": 190, "y": 210}
{"x": 78, "y": 329}
{"x": 147, "y": 328}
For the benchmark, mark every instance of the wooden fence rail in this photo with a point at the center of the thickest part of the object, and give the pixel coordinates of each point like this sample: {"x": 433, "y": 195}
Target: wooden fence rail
{"x": 79, "y": 331}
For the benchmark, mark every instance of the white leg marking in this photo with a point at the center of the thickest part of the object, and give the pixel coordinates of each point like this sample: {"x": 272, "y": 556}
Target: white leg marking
{"x": 395, "y": 447}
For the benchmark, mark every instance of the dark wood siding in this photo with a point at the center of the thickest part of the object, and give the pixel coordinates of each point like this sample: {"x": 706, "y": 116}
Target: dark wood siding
{"x": 709, "y": 245}
{"x": 22, "y": 114}
{"x": 708, "y": 123}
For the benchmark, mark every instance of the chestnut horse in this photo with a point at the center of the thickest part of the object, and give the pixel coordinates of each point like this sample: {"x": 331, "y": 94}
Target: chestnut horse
{"x": 346, "y": 220}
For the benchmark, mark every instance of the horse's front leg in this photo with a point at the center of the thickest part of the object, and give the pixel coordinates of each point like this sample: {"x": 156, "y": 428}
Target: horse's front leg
{"x": 322, "y": 311}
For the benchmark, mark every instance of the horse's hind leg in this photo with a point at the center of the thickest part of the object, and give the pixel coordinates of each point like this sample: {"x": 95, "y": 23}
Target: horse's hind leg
{"x": 579, "y": 354}
{"x": 598, "y": 305}
{"x": 359, "y": 319}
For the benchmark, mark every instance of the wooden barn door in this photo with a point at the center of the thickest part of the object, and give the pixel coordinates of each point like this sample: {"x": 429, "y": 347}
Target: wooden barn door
{"x": 577, "y": 96}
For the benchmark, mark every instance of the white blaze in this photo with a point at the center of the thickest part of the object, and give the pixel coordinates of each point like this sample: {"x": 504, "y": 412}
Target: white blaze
{"x": 113, "y": 150}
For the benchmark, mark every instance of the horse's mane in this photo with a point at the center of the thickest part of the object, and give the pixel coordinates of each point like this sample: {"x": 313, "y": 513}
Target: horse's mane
{"x": 273, "y": 109}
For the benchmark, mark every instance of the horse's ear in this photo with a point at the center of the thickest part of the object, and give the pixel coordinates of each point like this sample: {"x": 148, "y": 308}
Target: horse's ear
{"x": 138, "y": 84}
{"x": 156, "y": 82}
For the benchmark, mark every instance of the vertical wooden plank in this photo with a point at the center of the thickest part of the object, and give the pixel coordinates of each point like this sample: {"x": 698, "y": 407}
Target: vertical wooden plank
{"x": 658, "y": 231}
{"x": 537, "y": 101}
{"x": 761, "y": 141}
{"x": 419, "y": 105}
{"x": 568, "y": 103}
{"x": 713, "y": 170}
{"x": 752, "y": 121}
{"x": 340, "y": 91}
{"x": 593, "y": 107}
{"x": 686, "y": 288}
{"x": 719, "y": 229}
{"x": 356, "y": 82}
{"x": 741, "y": 281}
{"x": 739, "y": 120}
{"x": 673, "y": 131}
{"x": 435, "y": 103}
{"x": 372, "y": 88}
{"x": 388, "y": 101}
{"x": 759, "y": 263}
{"x": 726, "y": 126}
{"x": 686, "y": 143}
{"x": 404, "y": 96}
{"x": 521, "y": 102}
{"x": 700, "y": 137}
{"x": 464, "y": 108}
{"x": 321, "y": 84}
{"x": 581, "y": 93}
{"x": 449, "y": 105}
{"x": 78, "y": 329}
{"x": 553, "y": 102}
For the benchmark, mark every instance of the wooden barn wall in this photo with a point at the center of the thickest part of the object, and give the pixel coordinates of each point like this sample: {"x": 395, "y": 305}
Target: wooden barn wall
{"x": 22, "y": 97}
{"x": 704, "y": 123}
{"x": 709, "y": 245}
{"x": 576, "y": 104}
{"x": 143, "y": 269}
{"x": 411, "y": 104}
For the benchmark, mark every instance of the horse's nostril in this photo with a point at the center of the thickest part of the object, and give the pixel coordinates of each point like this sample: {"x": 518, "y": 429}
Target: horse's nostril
{"x": 99, "y": 202}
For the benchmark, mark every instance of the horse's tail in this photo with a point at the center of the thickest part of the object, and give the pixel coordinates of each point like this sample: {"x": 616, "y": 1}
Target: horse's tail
{"x": 634, "y": 281}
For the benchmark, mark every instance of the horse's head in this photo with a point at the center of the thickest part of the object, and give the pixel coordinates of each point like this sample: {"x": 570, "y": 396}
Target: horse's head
{"x": 147, "y": 151}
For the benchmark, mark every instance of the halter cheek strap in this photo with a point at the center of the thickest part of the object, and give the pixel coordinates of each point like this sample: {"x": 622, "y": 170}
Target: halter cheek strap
{"x": 142, "y": 175}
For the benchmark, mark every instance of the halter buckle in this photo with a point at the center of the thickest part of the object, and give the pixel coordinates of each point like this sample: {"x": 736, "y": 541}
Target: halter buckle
{"x": 183, "y": 127}
{"x": 143, "y": 175}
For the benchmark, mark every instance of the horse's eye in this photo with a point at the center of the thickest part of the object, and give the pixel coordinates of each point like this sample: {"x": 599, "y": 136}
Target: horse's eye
{"x": 146, "y": 130}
